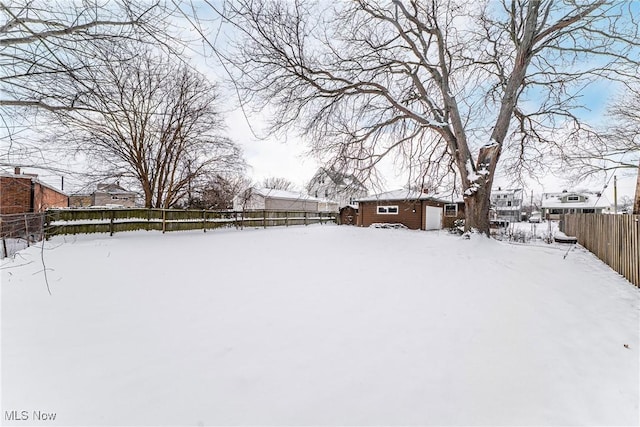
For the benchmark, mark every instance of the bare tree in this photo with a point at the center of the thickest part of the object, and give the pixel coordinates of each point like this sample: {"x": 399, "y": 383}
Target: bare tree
{"x": 40, "y": 40}
{"x": 218, "y": 191}
{"x": 615, "y": 148}
{"x": 278, "y": 183}
{"x": 151, "y": 120}
{"x": 456, "y": 86}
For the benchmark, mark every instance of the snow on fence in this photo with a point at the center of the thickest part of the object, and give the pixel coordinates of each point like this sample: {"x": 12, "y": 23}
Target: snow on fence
{"x": 18, "y": 231}
{"x": 615, "y": 239}
{"x": 80, "y": 221}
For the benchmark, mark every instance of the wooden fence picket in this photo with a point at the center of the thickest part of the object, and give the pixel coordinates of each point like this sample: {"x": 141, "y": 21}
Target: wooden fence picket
{"x": 615, "y": 239}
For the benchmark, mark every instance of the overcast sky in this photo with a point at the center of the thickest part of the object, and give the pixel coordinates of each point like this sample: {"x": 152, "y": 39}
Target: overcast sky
{"x": 285, "y": 156}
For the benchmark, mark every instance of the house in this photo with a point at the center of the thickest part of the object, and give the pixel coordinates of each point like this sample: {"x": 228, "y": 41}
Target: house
{"x": 507, "y": 204}
{"x": 281, "y": 200}
{"x": 24, "y": 193}
{"x": 333, "y": 185}
{"x": 105, "y": 195}
{"x": 417, "y": 211}
{"x": 554, "y": 205}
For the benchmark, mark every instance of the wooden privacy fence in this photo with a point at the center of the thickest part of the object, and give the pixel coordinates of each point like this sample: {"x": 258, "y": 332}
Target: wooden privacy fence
{"x": 615, "y": 239}
{"x": 80, "y": 221}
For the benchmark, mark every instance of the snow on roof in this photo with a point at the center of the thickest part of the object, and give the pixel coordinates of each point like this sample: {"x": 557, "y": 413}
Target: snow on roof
{"x": 33, "y": 178}
{"x": 507, "y": 191}
{"x": 402, "y": 194}
{"x": 339, "y": 178}
{"x": 507, "y": 208}
{"x": 592, "y": 200}
{"x": 282, "y": 194}
{"x": 112, "y": 189}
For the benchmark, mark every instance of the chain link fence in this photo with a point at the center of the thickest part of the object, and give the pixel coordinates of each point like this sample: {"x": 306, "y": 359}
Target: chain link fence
{"x": 18, "y": 231}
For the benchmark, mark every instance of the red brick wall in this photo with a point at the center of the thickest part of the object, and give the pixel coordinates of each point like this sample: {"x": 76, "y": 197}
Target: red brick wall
{"x": 15, "y": 195}
{"x": 45, "y": 198}
{"x": 409, "y": 214}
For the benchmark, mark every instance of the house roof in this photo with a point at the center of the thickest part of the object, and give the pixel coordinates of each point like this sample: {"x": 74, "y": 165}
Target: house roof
{"x": 340, "y": 178}
{"x": 402, "y": 195}
{"x": 112, "y": 189}
{"x": 507, "y": 191}
{"x": 33, "y": 178}
{"x": 592, "y": 200}
{"x": 282, "y": 194}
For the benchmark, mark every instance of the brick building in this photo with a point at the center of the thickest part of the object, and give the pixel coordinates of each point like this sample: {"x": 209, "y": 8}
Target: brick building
{"x": 417, "y": 211}
{"x": 24, "y": 193}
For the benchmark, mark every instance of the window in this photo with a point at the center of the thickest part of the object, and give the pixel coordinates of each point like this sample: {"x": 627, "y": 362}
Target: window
{"x": 508, "y": 202}
{"x": 573, "y": 198}
{"x": 388, "y": 210}
{"x": 451, "y": 210}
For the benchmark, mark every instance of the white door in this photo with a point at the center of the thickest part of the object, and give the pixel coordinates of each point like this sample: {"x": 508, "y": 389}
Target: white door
{"x": 433, "y": 220}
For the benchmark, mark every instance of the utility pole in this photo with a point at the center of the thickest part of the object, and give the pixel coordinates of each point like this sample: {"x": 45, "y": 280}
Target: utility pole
{"x": 531, "y": 201}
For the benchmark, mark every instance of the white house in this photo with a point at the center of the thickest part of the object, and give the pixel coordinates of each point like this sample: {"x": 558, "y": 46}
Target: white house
{"x": 568, "y": 202}
{"x": 330, "y": 184}
{"x": 507, "y": 204}
{"x": 280, "y": 200}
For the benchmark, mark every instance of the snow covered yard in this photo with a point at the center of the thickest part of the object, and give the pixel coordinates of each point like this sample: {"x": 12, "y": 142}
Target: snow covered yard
{"x": 318, "y": 325}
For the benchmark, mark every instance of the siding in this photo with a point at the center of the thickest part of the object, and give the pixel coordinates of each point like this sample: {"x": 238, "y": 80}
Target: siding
{"x": 128, "y": 200}
{"x": 273, "y": 204}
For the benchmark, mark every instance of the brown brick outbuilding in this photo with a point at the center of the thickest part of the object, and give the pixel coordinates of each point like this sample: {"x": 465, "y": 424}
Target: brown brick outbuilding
{"x": 417, "y": 211}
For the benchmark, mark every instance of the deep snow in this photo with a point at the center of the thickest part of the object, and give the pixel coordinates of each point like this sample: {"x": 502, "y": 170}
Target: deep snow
{"x": 318, "y": 325}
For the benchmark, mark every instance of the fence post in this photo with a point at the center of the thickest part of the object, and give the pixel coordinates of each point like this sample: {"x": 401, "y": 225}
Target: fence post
{"x": 204, "y": 220}
{"x": 111, "y": 223}
{"x": 164, "y": 220}
{"x": 264, "y": 219}
{"x": 5, "y": 253}
{"x": 305, "y": 218}
{"x": 26, "y": 229}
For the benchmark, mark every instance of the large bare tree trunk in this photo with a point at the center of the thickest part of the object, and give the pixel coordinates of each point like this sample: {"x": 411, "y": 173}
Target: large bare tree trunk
{"x": 477, "y": 210}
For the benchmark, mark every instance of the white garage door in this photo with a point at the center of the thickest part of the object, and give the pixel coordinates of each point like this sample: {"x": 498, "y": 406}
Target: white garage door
{"x": 433, "y": 220}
